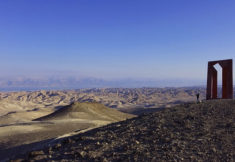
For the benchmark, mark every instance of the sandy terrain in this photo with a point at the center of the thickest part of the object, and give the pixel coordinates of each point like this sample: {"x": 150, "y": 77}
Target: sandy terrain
{"x": 22, "y": 128}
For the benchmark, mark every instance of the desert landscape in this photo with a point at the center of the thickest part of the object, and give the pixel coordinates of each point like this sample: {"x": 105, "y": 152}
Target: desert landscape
{"x": 119, "y": 98}
{"x": 124, "y": 80}
{"x": 188, "y": 132}
{"x": 22, "y": 127}
{"x": 29, "y": 117}
{"x": 33, "y": 120}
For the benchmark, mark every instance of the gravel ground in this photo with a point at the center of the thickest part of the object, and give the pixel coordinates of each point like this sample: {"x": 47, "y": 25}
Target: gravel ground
{"x": 189, "y": 132}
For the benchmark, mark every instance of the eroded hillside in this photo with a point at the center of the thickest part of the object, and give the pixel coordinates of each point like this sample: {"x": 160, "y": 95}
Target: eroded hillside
{"x": 121, "y": 98}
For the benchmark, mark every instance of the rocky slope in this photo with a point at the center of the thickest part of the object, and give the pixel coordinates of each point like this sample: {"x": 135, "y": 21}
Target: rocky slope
{"x": 189, "y": 132}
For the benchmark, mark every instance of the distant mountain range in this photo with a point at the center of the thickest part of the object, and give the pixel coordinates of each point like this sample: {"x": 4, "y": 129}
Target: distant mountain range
{"x": 17, "y": 84}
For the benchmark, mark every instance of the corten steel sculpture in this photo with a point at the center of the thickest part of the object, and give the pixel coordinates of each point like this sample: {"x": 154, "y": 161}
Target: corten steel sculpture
{"x": 227, "y": 79}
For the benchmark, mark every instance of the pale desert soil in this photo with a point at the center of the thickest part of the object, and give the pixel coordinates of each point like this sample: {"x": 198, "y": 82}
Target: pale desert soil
{"x": 20, "y": 134}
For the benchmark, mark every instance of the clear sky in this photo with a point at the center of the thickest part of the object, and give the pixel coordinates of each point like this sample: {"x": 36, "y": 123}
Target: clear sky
{"x": 113, "y": 39}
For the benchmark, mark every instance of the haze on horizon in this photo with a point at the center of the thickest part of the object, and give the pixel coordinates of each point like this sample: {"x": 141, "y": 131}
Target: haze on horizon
{"x": 115, "y": 40}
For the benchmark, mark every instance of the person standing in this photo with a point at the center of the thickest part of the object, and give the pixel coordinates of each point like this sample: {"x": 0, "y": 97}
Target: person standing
{"x": 198, "y": 95}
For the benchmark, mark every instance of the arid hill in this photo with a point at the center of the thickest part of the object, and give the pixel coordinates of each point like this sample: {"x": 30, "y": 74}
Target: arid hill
{"x": 20, "y": 136}
{"x": 189, "y": 132}
{"x": 87, "y": 111}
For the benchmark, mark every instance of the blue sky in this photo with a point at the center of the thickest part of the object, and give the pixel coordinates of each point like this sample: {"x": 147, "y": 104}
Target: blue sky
{"x": 115, "y": 39}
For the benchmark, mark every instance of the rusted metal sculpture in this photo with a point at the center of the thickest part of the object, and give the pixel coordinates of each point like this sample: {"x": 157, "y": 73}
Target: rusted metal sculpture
{"x": 227, "y": 79}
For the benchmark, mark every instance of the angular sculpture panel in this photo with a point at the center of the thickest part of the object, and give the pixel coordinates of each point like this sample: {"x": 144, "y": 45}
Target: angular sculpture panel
{"x": 227, "y": 79}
